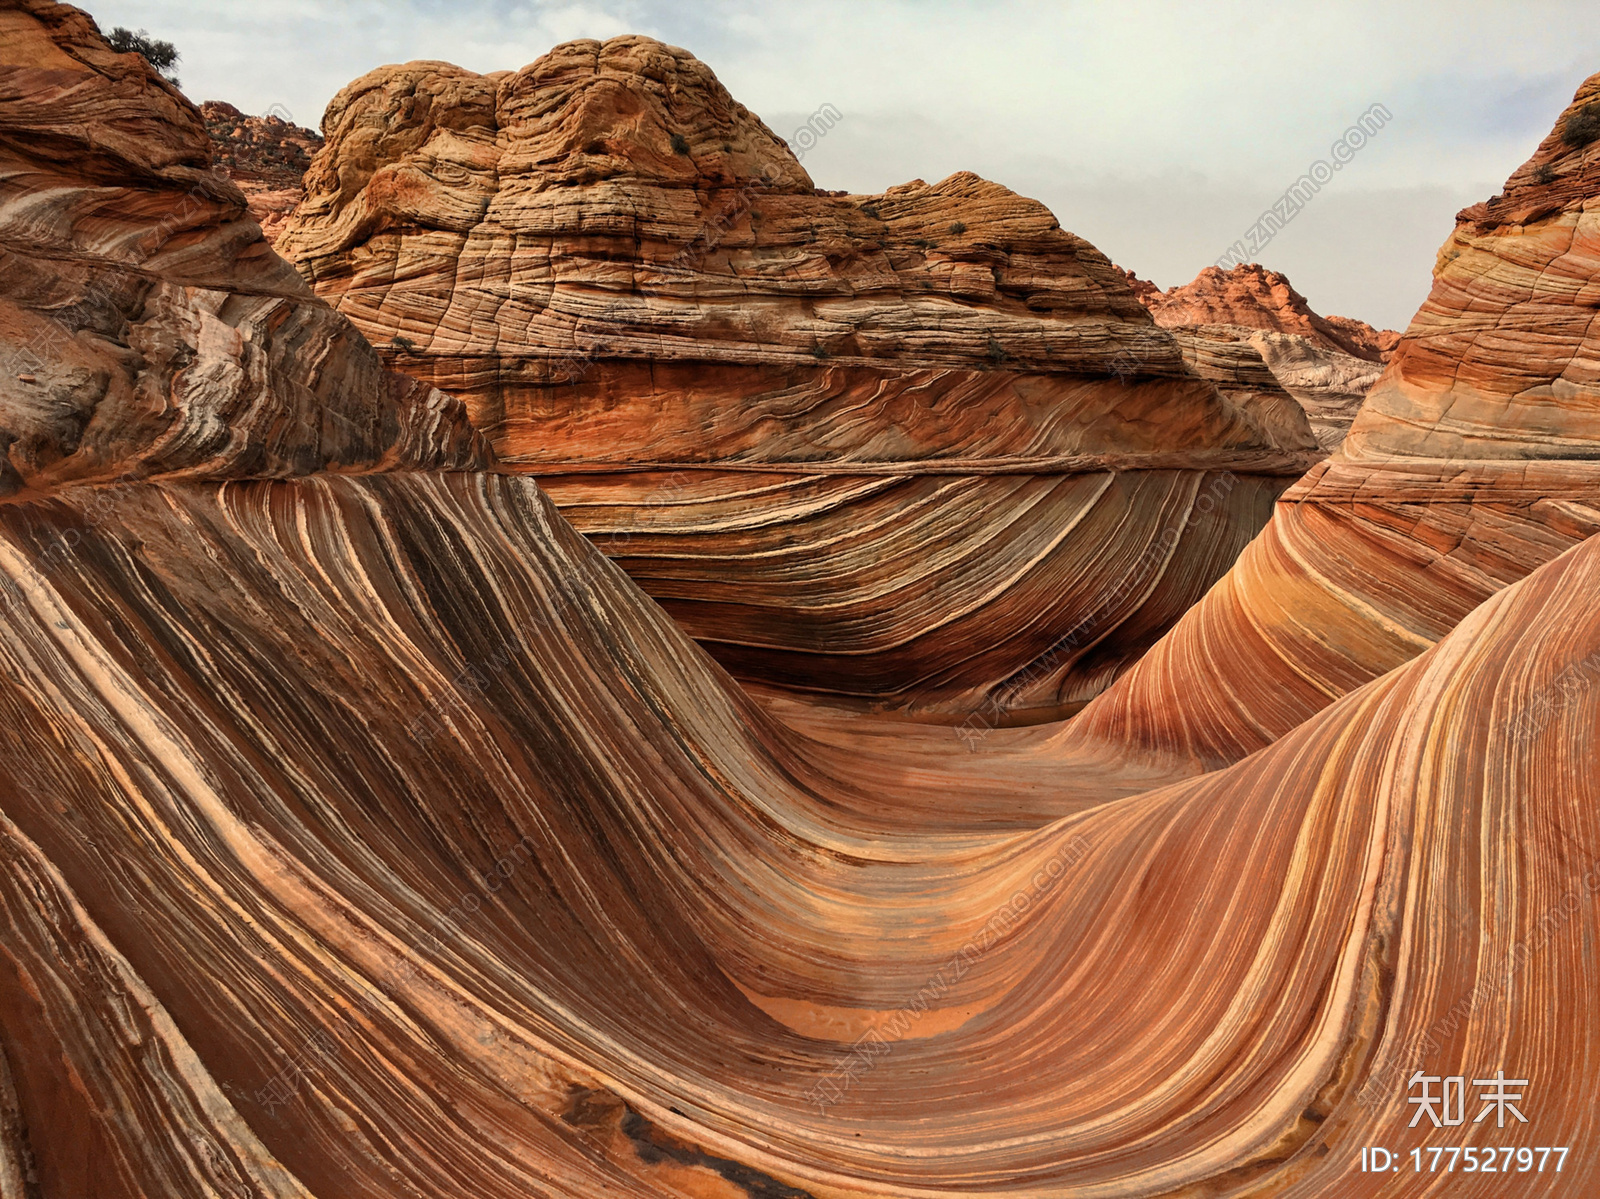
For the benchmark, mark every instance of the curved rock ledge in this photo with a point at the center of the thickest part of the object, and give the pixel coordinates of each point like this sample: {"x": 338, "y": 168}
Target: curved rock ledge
{"x": 1473, "y": 461}
{"x": 619, "y": 268}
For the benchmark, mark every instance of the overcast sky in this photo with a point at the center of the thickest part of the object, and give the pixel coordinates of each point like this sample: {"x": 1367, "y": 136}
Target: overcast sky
{"x": 1159, "y": 131}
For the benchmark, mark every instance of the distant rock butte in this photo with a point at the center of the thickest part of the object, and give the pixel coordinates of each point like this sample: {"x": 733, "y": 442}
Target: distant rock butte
{"x": 934, "y": 406}
{"x": 1475, "y": 459}
{"x": 1375, "y": 345}
{"x": 1327, "y": 364}
{"x": 266, "y": 156}
{"x": 1257, "y": 298}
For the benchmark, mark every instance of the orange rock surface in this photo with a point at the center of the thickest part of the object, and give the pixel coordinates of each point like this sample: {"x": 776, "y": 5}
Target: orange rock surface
{"x": 365, "y": 832}
{"x": 1475, "y": 459}
{"x": 888, "y": 447}
{"x": 148, "y": 328}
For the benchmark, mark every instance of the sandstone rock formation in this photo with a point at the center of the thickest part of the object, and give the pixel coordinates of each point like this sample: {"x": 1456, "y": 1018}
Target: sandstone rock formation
{"x": 266, "y": 156}
{"x": 1475, "y": 459}
{"x": 1328, "y": 364}
{"x": 917, "y": 448}
{"x": 1253, "y": 297}
{"x": 476, "y": 912}
{"x": 148, "y": 329}
{"x": 1365, "y": 341}
{"x": 1328, "y": 385}
{"x": 365, "y": 832}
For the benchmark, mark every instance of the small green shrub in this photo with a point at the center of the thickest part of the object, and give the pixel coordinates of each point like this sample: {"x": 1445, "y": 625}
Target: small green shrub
{"x": 1545, "y": 174}
{"x": 1583, "y": 126}
{"x": 680, "y": 144}
{"x": 957, "y": 229}
{"x": 162, "y": 56}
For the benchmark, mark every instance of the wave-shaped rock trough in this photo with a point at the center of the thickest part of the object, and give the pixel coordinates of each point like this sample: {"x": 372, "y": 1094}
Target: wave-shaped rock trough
{"x": 465, "y": 848}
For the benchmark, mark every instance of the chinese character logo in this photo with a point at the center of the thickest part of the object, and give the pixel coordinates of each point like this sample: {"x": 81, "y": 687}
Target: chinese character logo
{"x": 1448, "y": 1108}
{"x": 1437, "y": 1107}
{"x": 1498, "y": 1099}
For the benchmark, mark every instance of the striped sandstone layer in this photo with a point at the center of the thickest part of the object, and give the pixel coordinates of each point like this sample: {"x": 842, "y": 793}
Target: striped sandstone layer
{"x": 414, "y": 851}
{"x": 1228, "y": 357}
{"x": 894, "y": 447}
{"x": 367, "y": 833}
{"x": 1330, "y": 386}
{"x": 1328, "y": 364}
{"x": 147, "y": 327}
{"x": 1475, "y": 459}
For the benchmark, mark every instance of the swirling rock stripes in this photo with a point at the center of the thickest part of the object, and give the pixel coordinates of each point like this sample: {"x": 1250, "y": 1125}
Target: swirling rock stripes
{"x": 119, "y": 1102}
{"x": 1470, "y": 464}
{"x": 781, "y": 576}
{"x": 366, "y": 832}
{"x": 531, "y": 907}
{"x": 622, "y": 272}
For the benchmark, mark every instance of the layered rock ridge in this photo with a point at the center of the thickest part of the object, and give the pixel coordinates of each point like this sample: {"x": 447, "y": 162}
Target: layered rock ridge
{"x": 148, "y": 328}
{"x": 1475, "y": 458}
{"x": 898, "y": 447}
{"x": 1327, "y": 364}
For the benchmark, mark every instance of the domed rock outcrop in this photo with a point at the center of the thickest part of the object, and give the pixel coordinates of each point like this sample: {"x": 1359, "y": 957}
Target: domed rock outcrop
{"x": 921, "y": 447}
{"x": 1475, "y": 459}
{"x": 1252, "y": 297}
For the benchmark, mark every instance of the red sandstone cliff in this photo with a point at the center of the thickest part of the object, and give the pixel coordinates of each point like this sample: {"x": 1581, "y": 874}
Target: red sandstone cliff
{"x": 898, "y": 447}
